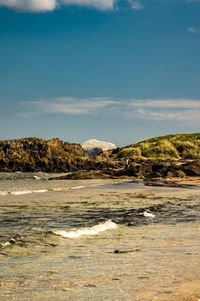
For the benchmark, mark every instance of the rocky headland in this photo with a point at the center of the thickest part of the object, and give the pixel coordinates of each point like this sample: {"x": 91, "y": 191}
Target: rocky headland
{"x": 173, "y": 156}
{"x": 34, "y": 154}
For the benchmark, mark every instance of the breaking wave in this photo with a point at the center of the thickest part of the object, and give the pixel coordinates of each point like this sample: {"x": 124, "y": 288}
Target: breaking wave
{"x": 108, "y": 225}
{"x": 21, "y": 192}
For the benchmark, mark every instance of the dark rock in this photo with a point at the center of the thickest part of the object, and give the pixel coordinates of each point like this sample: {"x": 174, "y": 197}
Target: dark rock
{"x": 12, "y": 241}
{"x": 33, "y": 154}
{"x": 192, "y": 168}
{"x": 127, "y": 251}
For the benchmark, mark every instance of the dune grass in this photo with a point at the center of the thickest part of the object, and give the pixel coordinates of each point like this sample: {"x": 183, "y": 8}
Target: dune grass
{"x": 178, "y": 146}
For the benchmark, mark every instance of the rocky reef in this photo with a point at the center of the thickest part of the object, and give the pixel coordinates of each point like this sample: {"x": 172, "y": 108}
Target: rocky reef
{"x": 34, "y": 154}
{"x": 139, "y": 169}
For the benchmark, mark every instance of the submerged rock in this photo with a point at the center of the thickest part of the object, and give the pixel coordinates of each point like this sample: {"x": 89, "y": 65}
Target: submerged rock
{"x": 127, "y": 251}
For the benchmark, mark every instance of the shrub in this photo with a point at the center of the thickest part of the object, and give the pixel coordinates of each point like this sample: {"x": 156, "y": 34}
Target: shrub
{"x": 129, "y": 152}
{"x": 182, "y": 146}
{"x": 166, "y": 149}
{"x": 189, "y": 150}
{"x": 193, "y": 153}
{"x": 146, "y": 150}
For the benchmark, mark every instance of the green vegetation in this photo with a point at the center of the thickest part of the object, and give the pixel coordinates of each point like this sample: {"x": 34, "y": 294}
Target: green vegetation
{"x": 178, "y": 146}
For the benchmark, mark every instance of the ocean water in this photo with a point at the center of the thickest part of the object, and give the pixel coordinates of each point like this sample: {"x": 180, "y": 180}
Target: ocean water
{"x": 97, "y": 240}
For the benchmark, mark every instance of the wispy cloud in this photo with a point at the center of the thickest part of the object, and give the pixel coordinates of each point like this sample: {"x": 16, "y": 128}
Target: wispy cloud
{"x": 187, "y": 110}
{"x": 69, "y": 105}
{"x": 193, "y": 30}
{"x": 166, "y": 103}
{"x": 35, "y": 6}
{"x": 50, "y": 5}
{"x": 136, "y": 4}
{"x": 98, "y": 4}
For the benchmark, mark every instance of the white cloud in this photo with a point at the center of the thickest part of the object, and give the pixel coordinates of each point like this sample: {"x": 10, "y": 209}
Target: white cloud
{"x": 190, "y": 116}
{"x": 49, "y": 5}
{"x": 70, "y": 105}
{"x": 167, "y": 103}
{"x": 193, "y": 30}
{"x": 185, "y": 110}
{"x": 136, "y": 4}
{"x": 98, "y": 4}
{"x": 30, "y": 5}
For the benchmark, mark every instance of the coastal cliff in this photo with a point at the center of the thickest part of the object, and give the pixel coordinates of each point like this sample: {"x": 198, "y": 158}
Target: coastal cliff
{"x": 34, "y": 154}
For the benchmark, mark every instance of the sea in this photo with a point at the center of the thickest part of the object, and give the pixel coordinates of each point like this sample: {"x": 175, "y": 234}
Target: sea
{"x": 97, "y": 239}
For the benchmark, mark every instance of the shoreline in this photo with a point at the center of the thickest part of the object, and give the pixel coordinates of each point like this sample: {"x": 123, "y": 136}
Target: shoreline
{"x": 144, "y": 258}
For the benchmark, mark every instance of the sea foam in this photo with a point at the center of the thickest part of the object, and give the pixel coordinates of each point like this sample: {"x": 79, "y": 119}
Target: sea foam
{"x": 58, "y": 189}
{"x": 108, "y": 225}
{"x": 3, "y": 192}
{"x": 77, "y": 187}
{"x": 21, "y": 192}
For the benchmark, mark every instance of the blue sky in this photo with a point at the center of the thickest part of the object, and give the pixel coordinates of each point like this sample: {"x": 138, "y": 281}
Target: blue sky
{"x": 118, "y": 71}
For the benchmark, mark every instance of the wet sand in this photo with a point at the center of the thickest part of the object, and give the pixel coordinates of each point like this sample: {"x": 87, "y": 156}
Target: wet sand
{"x": 144, "y": 258}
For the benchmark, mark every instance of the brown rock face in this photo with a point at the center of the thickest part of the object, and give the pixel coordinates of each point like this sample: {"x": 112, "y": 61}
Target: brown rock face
{"x": 161, "y": 168}
{"x": 33, "y": 154}
{"x": 192, "y": 168}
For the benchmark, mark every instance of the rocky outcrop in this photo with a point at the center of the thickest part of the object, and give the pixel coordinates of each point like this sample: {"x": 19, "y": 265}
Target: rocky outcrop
{"x": 33, "y": 154}
{"x": 55, "y": 155}
{"x": 94, "y": 147}
{"x": 160, "y": 169}
{"x": 140, "y": 169}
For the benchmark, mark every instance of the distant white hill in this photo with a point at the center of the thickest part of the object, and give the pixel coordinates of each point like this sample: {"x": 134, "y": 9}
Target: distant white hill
{"x": 94, "y": 147}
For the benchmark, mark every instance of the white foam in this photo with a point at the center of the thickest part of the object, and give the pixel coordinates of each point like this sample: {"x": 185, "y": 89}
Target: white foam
{"x": 21, "y": 192}
{"x": 147, "y": 213}
{"x": 108, "y": 225}
{"x": 77, "y": 187}
{"x": 59, "y": 189}
{"x": 3, "y": 192}
{"x": 28, "y": 191}
{"x": 5, "y": 244}
{"x": 40, "y": 191}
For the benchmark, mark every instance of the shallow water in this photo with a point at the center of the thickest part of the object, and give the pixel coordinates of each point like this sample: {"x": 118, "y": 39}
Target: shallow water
{"x": 151, "y": 254}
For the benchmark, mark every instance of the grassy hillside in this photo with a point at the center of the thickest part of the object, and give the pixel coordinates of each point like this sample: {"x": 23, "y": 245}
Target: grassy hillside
{"x": 178, "y": 146}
